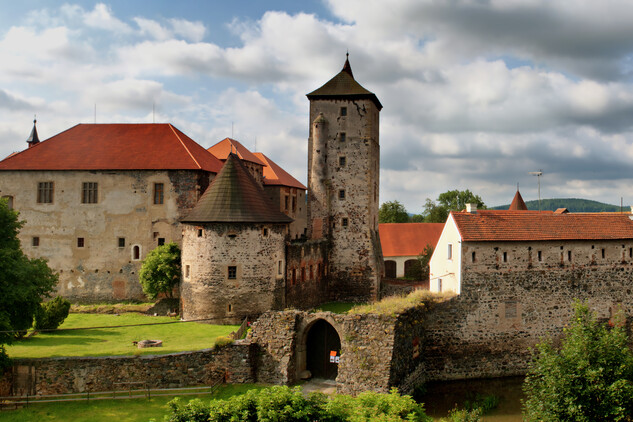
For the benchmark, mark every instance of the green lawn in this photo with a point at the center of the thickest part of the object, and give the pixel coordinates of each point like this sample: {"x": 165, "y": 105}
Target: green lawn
{"x": 118, "y": 341}
{"x": 133, "y": 410}
{"x": 336, "y": 307}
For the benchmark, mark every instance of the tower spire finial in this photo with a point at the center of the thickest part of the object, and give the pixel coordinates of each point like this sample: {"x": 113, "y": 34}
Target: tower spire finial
{"x": 33, "y": 138}
{"x": 347, "y": 67}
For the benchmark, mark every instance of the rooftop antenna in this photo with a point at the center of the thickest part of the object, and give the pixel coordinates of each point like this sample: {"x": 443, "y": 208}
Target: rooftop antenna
{"x": 538, "y": 175}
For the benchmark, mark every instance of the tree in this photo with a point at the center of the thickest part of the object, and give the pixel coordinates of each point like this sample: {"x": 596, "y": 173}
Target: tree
{"x": 392, "y": 212}
{"x": 24, "y": 282}
{"x": 161, "y": 270}
{"x": 589, "y": 379}
{"x": 452, "y": 200}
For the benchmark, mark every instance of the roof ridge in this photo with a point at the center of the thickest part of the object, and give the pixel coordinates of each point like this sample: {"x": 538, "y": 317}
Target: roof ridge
{"x": 184, "y": 146}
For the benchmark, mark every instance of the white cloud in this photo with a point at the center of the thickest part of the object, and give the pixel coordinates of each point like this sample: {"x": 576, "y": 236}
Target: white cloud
{"x": 191, "y": 31}
{"x": 101, "y": 17}
{"x": 153, "y": 29}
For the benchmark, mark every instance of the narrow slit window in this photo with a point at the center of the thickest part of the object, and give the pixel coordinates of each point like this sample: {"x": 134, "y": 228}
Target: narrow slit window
{"x": 569, "y": 256}
{"x": 539, "y": 255}
{"x": 343, "y": 137}
{"x": 472, "y": 257}
{"x": 505, "y": 257}
{"x": 344, "y": 222}
{"x": 449, "y": 252}
{"x": 187, "y": 271}
{"x": 341, "y": 194}
{"x": 199, "y": 232}
{"x": 341, "y": 161}
{"x": 136, "y": 253}
{"x": 159, "y": 193}
{"x": 603, "y": 253}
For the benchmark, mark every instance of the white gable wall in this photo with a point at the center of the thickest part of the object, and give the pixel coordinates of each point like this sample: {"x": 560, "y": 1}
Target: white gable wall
{"x": 445, "y": 271}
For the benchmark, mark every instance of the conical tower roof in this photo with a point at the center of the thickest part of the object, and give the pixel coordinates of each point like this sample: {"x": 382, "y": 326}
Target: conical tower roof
{"x": 235, "y": 197}
{"x": 517, "y": 203}
{"x": 33, "y": 137}
{"x": 344, "y": 86}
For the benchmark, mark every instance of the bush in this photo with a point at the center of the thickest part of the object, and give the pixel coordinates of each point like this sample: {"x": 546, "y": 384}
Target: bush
{"x": 160, "y": 271}
{"x": 221, "y": 341}
{"x": 284, "y": 404}
{"x": 589, "y": 379}
{"x": 51, "y": 314}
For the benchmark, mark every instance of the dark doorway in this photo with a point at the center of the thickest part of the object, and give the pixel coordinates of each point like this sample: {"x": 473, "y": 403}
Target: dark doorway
{"x": 323, "y": 343}
{"x": 390, "y": 269}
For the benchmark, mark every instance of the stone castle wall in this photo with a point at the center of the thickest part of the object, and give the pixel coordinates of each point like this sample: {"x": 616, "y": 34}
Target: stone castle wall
{"x": 256, "y": 252}
{"x": 101, "y": 269}
{"x": 76, "y": 375}
{"x": 306, "y": 274}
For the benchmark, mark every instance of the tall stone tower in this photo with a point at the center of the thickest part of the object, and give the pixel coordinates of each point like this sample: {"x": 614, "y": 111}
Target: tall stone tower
{"x": 343, "y": 181}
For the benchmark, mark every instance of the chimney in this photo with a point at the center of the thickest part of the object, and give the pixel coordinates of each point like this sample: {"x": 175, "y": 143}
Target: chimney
{"x": 471, "y": 208}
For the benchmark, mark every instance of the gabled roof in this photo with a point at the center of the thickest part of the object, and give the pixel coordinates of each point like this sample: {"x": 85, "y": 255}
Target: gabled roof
{"x": 506, "y": 225}
{"x": 276, "y": 176}
{"x": 143, "y": 146}
{"x": 408, "y": 239}
{"x": 235, "y": 197}
{"x": 518, "y": 204}
{"x": 227, "y": 146}
{"x": 344, "y": 86}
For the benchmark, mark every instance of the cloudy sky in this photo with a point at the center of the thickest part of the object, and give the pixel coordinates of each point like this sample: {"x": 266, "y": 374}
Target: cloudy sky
{"x": 476, "y": 93}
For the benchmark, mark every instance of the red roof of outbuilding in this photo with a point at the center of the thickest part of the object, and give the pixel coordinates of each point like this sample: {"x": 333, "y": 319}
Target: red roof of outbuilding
{"x": 118, "y": 146}
{"x": 227, "y": 146}
{"x": 408, "y": 239}
{"x": 506, "y": 225}
{"x": 276, "y": 176}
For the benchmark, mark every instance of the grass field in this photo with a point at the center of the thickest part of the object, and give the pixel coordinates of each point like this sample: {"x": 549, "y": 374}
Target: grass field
{"x": 176, "y": 337}
{"x": 336, "y": 307}
{"x": 133, "y": 410}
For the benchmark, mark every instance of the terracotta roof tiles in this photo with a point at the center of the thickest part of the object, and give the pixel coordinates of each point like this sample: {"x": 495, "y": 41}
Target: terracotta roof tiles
{"x": 510, "y": 226}
{"x": 408, "y": 239}
{"x": 276, "y": 176}
{"x": 227, "y": 146}
{"x": 115, "y": 147}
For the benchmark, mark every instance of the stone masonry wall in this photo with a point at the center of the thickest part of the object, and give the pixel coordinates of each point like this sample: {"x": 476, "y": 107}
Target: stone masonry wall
{"x": 75, "y": 374}
{"x": 306, "y": 274}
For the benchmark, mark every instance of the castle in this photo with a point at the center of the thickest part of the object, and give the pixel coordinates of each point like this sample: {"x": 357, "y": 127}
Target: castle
{"x": 97, "y": 198}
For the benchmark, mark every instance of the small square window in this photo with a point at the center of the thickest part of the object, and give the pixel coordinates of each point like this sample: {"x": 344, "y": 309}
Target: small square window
{"x": 343, "y": 111}
{"x": 342, "y": 136}
{"x": 121, "y": 242}
{"x": 199, "y": 232}
{"x": 161, "y": 241}
{"x": 35, "y": 241}
{"x": 341, "y": 194}
{"x": 9, "y": 201}
{"x": 232, "y": 272}
{"x": 344, "y": 222}
{"x": 158, "y": 193}
{"x": 265, "y": 232}
{"x": 80, "y": 242}
{"x": 341, "y": 161}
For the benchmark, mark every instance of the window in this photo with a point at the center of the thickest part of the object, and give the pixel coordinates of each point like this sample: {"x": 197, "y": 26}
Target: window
{"x": 80, "y": 242}
{"x": 569, "y": 256}
{"x": 199, "y": 232}
{"x": 279, "y": 267}
{"x": 158, "y": 193}
{"x": 121, "y": 242}
{"x": 229, "y": 308}
{"x": 294, "y": 203}
{"x": 344, "y": 222}
{"x": 45, "y": 192}
{"x": 341, "y": 194}
{"x": 35, "y": 241}
{"x": 342, "y": 136}
{"x": 232, "y": 272}
{"x": 505, "y": 257}
{"x": 90, "y": 193}
{"x": 9, "y": 201}
{"x": 161, "y": 241}
{"x": 603, "y": 254}
{"x": 265, "y": 232}
{"x": 187, "y": 271}
{"x": 341, "y": 161}
{"x": 539, "y": 254}
{"x": 136, "y": 253}
{"x": 472, "y": 257}
{"x": 303, "y": 274}
{"x": 343, "y": 111}
{"x": 439, "y": 284}
{"x": 286, "y": 202}
{"x": 449, "y": 252}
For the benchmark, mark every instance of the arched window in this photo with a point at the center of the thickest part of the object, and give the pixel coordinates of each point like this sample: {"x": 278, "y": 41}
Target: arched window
{"x": 136, "y": 253}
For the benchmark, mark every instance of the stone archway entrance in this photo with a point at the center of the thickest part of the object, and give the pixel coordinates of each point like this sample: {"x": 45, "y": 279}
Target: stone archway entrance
{"x": 322, "y": 339}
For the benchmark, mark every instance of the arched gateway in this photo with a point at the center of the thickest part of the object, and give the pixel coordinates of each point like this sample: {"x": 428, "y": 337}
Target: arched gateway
{"x": 320, "y": 349}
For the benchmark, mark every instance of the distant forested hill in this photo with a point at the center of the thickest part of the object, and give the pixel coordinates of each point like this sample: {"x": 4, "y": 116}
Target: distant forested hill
{"x": 572, "y": 204}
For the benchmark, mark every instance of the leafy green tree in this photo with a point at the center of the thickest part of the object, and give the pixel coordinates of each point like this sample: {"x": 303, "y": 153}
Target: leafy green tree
{"x": 590, "y": 378}
{"x": 392, "y": 212}
{"x": 452, "y": 200}
{"x": 161, "y": 270}
{"x": 51, "y": 314}
{"x": 24, "y": 282}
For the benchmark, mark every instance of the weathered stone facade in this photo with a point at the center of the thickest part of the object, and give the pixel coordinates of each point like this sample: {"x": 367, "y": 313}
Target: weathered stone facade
{"x": 292, "y": 202}
{"x": 306, "y": 274}
{"x": 117, "y": 231}
{"x": 232, "y": 270}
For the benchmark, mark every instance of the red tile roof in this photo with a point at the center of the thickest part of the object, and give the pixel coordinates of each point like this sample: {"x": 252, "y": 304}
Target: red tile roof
{"x": 116, "y": 146}
{"x": 227, "y": 146}
{"x": 276, "y": 176}
{"x": 408, "y": 239}
{"x": 518, "y": 204}
{"x": 509, "y": 226}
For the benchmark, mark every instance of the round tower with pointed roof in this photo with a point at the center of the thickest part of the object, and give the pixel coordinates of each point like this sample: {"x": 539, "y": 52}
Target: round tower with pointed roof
{"x": 233, "y": 250}
{"x": 343, "y": 182}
